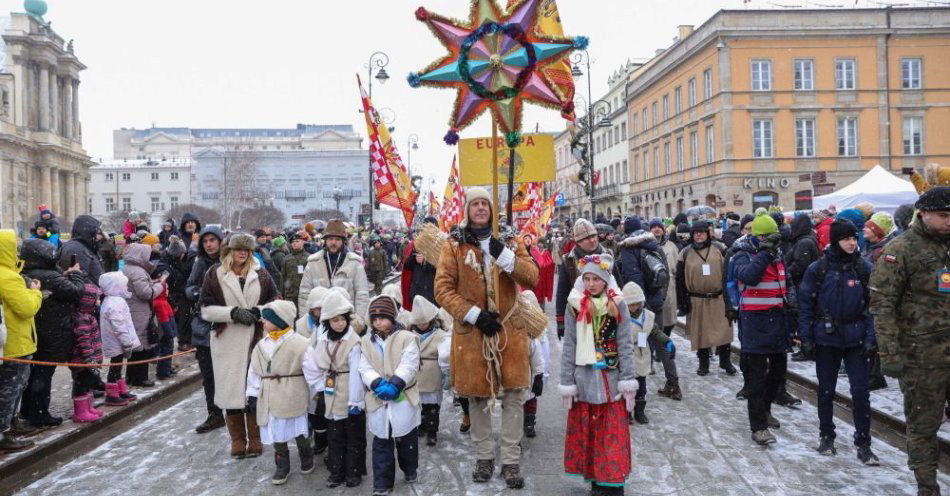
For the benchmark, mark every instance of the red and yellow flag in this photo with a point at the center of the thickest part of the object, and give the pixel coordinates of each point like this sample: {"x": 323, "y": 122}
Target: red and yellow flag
{"x": 434, "y": 207}
{"x": 540, "y": 221}
{"x": 453, "y": 201}
{"x": 390, "y": 178}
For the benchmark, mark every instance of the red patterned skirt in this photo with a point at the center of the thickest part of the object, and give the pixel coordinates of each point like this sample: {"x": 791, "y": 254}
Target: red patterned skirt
{"x": 597, "y": 443}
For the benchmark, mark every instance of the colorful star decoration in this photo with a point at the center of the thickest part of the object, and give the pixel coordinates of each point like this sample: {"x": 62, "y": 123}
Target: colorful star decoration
{"x": 496, "y": 62}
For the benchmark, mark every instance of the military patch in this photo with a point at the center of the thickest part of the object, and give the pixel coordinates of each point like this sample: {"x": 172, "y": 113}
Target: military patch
{"x": 890, "y": 259}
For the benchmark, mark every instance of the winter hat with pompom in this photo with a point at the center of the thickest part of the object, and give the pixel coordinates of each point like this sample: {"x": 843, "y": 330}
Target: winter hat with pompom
{"x": 763, "y": 224}
{"x": 881, "y": 223}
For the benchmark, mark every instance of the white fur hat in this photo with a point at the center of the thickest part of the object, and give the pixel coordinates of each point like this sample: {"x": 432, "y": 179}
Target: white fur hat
{"x": 395, "y": 292}
{"x": 633, "y": 293}
{"x": 315, "y": 299}
{"x": 423, "y": 311}
{"x": 335, "y": 304}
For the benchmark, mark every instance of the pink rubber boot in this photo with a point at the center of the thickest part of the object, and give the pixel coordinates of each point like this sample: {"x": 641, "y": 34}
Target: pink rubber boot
{"x": 124, "y": 391}
{"x": 81, "y": 412}
{"x": 92, "y": 406}
{"x": 112, "y": 395}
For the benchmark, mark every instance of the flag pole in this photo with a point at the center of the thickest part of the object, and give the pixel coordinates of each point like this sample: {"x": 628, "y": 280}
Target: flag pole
{"x": 494, "y": 177}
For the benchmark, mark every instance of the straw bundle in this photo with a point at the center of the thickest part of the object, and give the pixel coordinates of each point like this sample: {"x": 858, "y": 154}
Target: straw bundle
{"x": 527, "y": 316}
{"x": 429, "y": 243}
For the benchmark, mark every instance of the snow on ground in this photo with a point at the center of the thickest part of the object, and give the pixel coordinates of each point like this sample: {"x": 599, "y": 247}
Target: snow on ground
{"x": 700, "y": 446}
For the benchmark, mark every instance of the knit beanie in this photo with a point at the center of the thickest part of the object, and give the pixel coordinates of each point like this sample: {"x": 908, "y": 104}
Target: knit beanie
{"x": 583, "y": 229}
{"x": 656, "y": 222}
{"x": 881, "y": 224}
{"x": 763, "y": 224}
{"x": 279, "y": 241}
{"x": 936, "y": 199}
{"x": 903, "y": 216}
{"x": 633, "y": 293}
{"x": 682, "y": 228}
{"x": 866, "y": 208}
{"x": 699, "y": 226}
{"x": 280, "y": 313}
{"x": 841, "y": 229}
{"x": 854, "y": 215}
{"x": 632, "y": 224}
{"x": 472, "y": 194}
{"x": 383, "y": 307}
{"x": 745, "y": 220}
{"x": 599, "y": 265}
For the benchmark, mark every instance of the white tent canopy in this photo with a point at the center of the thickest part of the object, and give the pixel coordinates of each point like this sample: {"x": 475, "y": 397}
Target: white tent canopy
{"x": 879, "y": 187}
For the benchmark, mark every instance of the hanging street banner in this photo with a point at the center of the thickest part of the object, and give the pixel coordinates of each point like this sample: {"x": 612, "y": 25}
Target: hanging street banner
{"x": 534, "y": 160}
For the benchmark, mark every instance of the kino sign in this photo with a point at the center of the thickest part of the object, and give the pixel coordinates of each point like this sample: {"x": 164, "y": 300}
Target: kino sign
{"x": 765, "y": 182}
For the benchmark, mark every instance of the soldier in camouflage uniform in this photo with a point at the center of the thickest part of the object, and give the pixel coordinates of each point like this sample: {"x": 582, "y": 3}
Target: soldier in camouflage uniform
{"x": 293, "y": 266}
{"x": 910, "y": 300}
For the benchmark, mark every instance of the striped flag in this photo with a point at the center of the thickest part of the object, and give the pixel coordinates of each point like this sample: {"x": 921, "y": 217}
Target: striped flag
{"x": 390, "y": 178}
{"x": 453, "y": 201}
{"x": 434, "y": 207}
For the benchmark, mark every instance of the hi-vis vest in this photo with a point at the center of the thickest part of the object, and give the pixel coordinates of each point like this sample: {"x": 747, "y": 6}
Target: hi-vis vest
{"x": 769, "y": 293}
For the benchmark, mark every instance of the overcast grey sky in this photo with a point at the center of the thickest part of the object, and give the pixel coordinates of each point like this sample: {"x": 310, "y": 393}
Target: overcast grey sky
{"x": 274, "y": 63}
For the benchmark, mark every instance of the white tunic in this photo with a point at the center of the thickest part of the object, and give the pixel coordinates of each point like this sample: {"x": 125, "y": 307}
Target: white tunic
{"x": 316, "y": 376}
{"x": 394, "y": 418}
{"x": 278, "y": 429}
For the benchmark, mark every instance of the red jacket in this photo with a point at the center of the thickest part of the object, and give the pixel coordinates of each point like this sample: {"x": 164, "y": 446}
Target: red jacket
{"x": 163, "y": 310}
{"x": 823, "y": 231}
{"x": 544, "y": 290}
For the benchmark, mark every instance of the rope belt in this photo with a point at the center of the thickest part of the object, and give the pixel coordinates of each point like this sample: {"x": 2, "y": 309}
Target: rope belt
{"x": 279, "y": 377}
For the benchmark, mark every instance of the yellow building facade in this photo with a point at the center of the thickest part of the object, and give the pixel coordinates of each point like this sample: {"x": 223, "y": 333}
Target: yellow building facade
{"x": 760, "y": 108}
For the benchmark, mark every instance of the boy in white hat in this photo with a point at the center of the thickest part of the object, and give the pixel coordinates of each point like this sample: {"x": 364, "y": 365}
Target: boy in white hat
{"x": 425, "y": 321}
{"x": 331, "y": 367}
{"x": 277, "y": 390}
{"x": 309, "y": 323}
{"x": 645, "y": 333}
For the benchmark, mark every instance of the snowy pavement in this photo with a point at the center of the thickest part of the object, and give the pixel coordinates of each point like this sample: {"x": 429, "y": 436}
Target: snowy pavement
{"x": 700, "y": 446}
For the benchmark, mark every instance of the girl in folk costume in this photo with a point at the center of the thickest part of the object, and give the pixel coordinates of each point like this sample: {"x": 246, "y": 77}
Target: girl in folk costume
{"x": 389, "y": 366}
{"x": 330, "y": 366}
{"x": 118, "y": 334}
{"x": 230, "y": 297}
{"x": 597, "y": 378}
{"x": 540, "y": 354}
{"x": 644, "y": 330}
{"x": 308, "y": 326}
{"x": 426, "y": 323}
{"x": 277, "y": 391}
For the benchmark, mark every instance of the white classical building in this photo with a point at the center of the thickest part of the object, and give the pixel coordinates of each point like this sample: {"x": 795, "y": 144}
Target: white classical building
{"x": 148, "y": 186}
{"x": 42, "y": 160}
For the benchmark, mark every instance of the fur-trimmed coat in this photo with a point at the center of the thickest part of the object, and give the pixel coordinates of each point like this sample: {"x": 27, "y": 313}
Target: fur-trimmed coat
{"x": 351, "y": 276}
{"x": 231, "y": 343}
{"x": 459, "y": 286}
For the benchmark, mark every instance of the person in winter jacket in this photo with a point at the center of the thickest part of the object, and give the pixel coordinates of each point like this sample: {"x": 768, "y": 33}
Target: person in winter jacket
{"x": 174, "y": 261}
{"x": 803, "y": 251}
{"x": 823, "y": 220}
{"x": 418, "y": 274}
{"x": 389, "y": 368}
{"x": 169, "y": 229}
{"x": 131, "y": 225}
{"x": 376, "y": 265}
{"x": 41, "y": 231}
{"x": 167, "y": 330}
{"x": 119, "y": 338}
{"x": 425, "y": 322}
{"x": 48, "y": 218}
{"x": 331, "y": 364}
{"x": 105, "y": 249}
{"x": 833, "y": 319}
{"x": 293, "y": 266}
{"x": 763, "y": 329}
{"x": 584, "y": 235}
{"x": 733, "y": 229}
{"x": 902, "y": 217}
{"x": 20, "y": 303}
{"x": 858, "y": 219}
{"x": 878, "y": 232}
{"x": 598, "y": 382}
{"x": 54, "y": 326}
{"x": 648, "y": 335}
{"x": 143, "y": 289}
{"x": 207, "y": 251}
{"x": 277, "y": 391}
{"x": 189, "y": 228}
{"x": 683, "y": 235}
{"x": 83, "y": 245}
{"x": 87, "y": 348}
{"x": 335, "y": 266}
{"x": 540, "y": 358}
{"x": 641, "y": 261}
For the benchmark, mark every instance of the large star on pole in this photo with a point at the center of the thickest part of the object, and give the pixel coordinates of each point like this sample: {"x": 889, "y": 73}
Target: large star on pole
{"x": 495, "y": 61}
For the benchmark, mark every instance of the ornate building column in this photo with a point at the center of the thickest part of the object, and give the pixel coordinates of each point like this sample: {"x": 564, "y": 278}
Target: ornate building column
{"x": 79, "y": 197}
{"x": 43, "y": 122}
{"x": 68, "y": 110}
{"x": 69, "y": 208}
{"x": 56, "y": 202}
{"x": 54, "y": 102}
{"x": 74, "y": 113}
{"x": 46, "y": 184}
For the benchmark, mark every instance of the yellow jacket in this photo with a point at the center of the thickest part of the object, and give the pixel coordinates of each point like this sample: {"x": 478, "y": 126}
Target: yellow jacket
{"x": 20, "y": 303}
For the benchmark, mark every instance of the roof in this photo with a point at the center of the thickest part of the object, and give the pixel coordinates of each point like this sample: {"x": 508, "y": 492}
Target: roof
{"x": 300, "y": 130}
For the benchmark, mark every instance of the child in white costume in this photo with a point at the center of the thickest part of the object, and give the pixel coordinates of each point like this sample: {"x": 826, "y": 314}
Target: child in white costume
{"x": 331, "y": 367}
{"x": 644, "y": 330}
{"x": 277, "y": 390}
{"x": 426, "y": 323}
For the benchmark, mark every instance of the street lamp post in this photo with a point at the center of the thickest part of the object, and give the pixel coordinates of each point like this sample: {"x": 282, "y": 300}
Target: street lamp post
{"x": 412, "y": 144}
{"x": 603, "y": 110}
{"x": 337, "y": 196}
{"x": 378, "y": 60}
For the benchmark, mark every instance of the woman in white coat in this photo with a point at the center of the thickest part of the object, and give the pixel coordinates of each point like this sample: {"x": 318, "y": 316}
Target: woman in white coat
{"x": 231, "y": 296}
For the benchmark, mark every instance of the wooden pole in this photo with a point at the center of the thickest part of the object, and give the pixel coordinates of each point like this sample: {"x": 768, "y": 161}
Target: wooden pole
{"x": 494, "y": 178}
{"x": 511, "y": 185}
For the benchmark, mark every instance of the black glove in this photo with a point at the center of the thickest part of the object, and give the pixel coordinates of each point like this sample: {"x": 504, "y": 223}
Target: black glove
{"x": 495, "y": 247}
{"x": 399, "y": 383}
{"x": 869, "y": 350}
{"x": 256, "y": 312}
{"x": 560, "y": 330}
{"x": 538, "y": 386}
{"x": 252, "y": 405}
{"x": 732, "y": 314}
{"x": 488, "y": 323}
{"x": 242, "y": 316}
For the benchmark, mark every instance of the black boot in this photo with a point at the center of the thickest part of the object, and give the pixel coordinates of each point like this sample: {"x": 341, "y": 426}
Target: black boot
{"x": 483, "y": 471}
{"x": 10, "y": 443}
{"x": 675, "y": 392}
{"x": 320, "y": 441}
{"x": 639, "y": 412}
{"x": 305, "y": 450}
{"x": 725, "y": 363}
{"x": 783, "y": 398}
{"x": 432, "y": 438}
{"x": 214, "y": 421}
{"x": 529, "y": 425}
{"x": 512, "y": 475}
{"x": 703, "y": 356}
{"x": 867, "y": 456}
{"x": 282, "y": 460}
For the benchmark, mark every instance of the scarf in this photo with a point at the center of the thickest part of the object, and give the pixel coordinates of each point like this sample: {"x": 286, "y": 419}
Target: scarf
{"x": 480, "y": 232}
{"x": 334, "y": 261}
{"x": 590, "y": 318}
{"x": 275, "y": 335}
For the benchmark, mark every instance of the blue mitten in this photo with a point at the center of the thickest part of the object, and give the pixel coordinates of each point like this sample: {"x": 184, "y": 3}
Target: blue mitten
{"x": 670, "y": 347}
{"x": 379, "y": 387}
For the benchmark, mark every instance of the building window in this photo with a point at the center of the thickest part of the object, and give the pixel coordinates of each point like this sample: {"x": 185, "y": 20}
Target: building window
{"x": 804, "y": 75}
{"x": 636, "y": 168}
{"x": 762, "y": 138}
{"x": 805, "y": 137}
{"x": 693, "y": 149}
{"x": 110, "y": 177}
{"x": 626, "y": 172}
{"x": 691, "y": 90}
{"x": 645, "y": 127}
{"x": 156, "y": 204}
{"x": 126, "y": 204}
{"x": 646, "y": 165}
{"x": 707, "y": 84}
{"x": 616, "y": 135}
{"x": 172, "y": 202}
{"x": 847, "y": 136}
{"x": 761, "y": 75}
{"x": 666, "y": 158}
{"x": 844, "y": 74}
{"x": 710, "y": 144}
{"x": 656, "y": 161}
{"x": 174, "y": 176}
{"x": 910, "y": 74}
{"x": 678, "y": 100}
{"x": 666, "y": 107}
{"x": 679, "y": 154}
{"x": 623, "y": 131}
{"x": 612, "y": 177}
{"x": 110, "y": 204}
{"x": 126, "y": 176}
{"x": 633, "y": 126}
{"x": 655, "y": 114}
{"x": 913, "y": 135}
{"x": 153, "y": 176}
